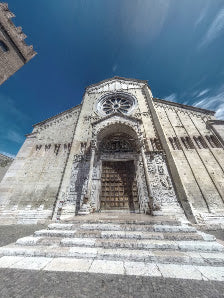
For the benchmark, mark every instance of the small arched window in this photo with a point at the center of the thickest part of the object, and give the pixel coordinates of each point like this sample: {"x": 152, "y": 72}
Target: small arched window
{"x": 3, "y": 46}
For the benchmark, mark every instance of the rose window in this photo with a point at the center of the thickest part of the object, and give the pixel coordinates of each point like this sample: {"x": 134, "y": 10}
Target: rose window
{"x": 115, "y": 104}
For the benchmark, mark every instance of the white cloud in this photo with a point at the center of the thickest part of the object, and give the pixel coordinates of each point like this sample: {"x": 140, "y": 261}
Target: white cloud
{"x": 114, "y": 68}
{"x": 8, "y": 105}
{"x": 220, "y": 112}
{"x": 203, "y": 92}
{"x": 14, "y": 137}
{"x": 186, "y": 102}
{"x": 214, "y": 102}
{"x": 215, "y": 29}
{"x": 11, "y": 120}
{"x": 145, "y": 19}
{"x": 202, "y": 15}
{"x": 7, "y": 154}
{"x": 171, "y": 97}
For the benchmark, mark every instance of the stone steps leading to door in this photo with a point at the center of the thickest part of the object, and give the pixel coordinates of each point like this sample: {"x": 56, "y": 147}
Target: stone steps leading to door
{"x": 119, "y": 254}
{"x": 179, "y": 245}
{"x": 136, "y": 235}
{"x": 123, "y": 227}
{"x": 153, "y": 241}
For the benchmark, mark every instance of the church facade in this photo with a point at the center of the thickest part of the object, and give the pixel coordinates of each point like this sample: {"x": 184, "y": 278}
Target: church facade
{"x": 121, "y": 149}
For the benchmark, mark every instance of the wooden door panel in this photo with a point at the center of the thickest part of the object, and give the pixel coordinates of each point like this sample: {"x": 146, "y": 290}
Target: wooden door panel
{"x": 119, "y": 188}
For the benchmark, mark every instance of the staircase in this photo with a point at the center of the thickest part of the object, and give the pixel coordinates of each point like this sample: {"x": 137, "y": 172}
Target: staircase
{"x": 152, "y": 240}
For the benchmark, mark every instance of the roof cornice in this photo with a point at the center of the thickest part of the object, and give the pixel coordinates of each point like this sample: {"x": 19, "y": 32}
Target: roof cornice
{"x": 6, "y": 157}
{"x": 180, "y": 105}
{"x": 56, "y": 116}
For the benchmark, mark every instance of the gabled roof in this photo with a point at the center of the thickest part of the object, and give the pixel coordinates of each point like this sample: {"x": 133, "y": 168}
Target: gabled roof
{"x": 114, "y": 79}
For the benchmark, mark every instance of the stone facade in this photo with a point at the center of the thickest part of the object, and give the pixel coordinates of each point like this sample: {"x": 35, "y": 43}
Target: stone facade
{"x": 176, "y": 155}
{"x": 217, "y": 126}
{"x": 14, "y": 53}
{"x": 5, "y": 163}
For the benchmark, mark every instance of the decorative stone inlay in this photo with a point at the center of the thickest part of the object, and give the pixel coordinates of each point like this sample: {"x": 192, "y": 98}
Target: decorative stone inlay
{"x": 116, "y": 143}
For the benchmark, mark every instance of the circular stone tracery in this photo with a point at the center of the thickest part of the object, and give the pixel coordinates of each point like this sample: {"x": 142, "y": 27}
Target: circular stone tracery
{"x": 116, "y": 103}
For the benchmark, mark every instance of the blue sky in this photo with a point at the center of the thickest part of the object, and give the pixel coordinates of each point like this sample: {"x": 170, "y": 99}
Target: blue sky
{"x": 177, "y": 45}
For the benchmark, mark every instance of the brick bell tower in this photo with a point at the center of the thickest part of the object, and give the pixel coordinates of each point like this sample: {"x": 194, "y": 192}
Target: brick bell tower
{"x": 14, "y": 52}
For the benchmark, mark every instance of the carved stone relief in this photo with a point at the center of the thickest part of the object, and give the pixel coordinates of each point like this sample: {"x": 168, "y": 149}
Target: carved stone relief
{"x": 162, "y": 189}
{"x": 78, "y": 181}
{"x": 96, "y": 184}
{"x": 142, "y": 187}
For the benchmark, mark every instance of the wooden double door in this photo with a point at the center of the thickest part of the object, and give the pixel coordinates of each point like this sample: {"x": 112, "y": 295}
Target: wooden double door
{"x": 118, "y": 185}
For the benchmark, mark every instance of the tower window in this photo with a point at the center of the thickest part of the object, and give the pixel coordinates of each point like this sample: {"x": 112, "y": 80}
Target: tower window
{"x": 3, "y": 46}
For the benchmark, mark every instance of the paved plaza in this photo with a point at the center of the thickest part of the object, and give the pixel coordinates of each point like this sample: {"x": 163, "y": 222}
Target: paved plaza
{"x": 29, "y": 283}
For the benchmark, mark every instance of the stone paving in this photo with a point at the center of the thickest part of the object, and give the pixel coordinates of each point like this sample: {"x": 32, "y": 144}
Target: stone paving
{"x": 29, "y": 283}
{"x": 10, "y": 233}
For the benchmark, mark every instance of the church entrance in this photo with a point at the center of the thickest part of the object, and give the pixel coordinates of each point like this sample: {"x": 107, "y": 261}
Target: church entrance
{"x": 118, "y": 186}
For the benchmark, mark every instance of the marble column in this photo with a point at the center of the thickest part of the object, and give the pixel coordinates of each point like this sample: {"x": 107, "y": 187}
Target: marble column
{"x": 147, "y": 179}
{"x": 89, "y": 186}
{"x": 86, "y": 207}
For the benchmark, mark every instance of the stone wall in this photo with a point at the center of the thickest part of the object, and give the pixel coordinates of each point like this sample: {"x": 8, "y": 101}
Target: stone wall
{"x": 32, "y": 182}
{"x": 217, "y": 126}
{"x": 14, "y": 53}
{"x": 198, "y": 156}
{"x": 5, "y": 163}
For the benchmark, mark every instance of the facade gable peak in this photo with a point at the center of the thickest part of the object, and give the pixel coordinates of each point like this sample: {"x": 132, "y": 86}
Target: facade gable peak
{"x": 116, "y": 84}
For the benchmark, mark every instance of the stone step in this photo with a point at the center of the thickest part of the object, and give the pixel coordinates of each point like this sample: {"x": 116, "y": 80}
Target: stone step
{"x": 152, "y": 221}
{"x": 140, "y": 235}
{"x": 122, "y": 235}
{"x": 31, "y": 240}
{"x": 125, "y": 234}
{"x": 41, "y": 241}
{"x": 144, "y": 244}
{"x": 55, "y": 233}
{"x": 158, "y": 256}
{"x": 123, "y": 227}
{"x": 46, "y": 238}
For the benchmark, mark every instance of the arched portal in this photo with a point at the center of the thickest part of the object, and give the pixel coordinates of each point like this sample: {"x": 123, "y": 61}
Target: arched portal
{"x": 118, "y": 155}
{"x": 113, "y": 168}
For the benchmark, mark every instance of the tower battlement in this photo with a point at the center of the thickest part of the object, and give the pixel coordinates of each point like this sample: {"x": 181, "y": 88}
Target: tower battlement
{"x": 14, "y": 52}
